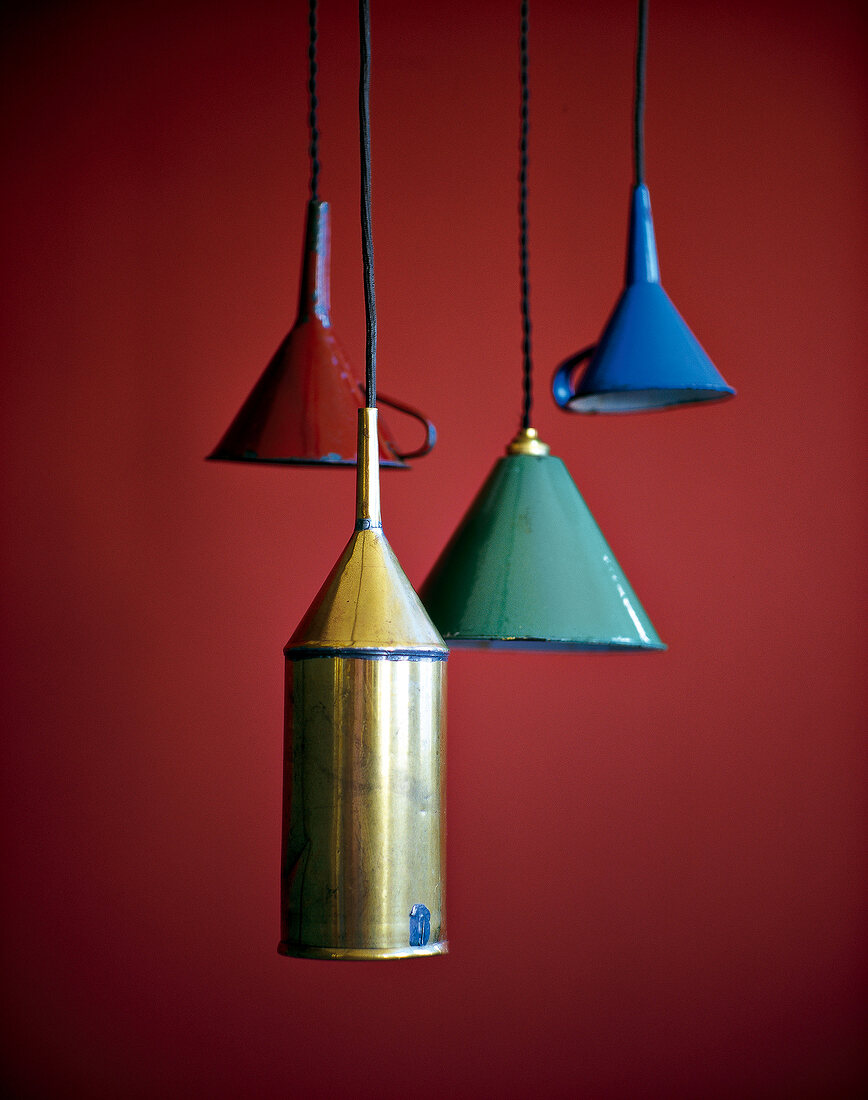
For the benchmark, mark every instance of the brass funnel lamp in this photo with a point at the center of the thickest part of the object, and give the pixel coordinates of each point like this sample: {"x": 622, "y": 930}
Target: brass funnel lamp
{"x": 303, "y": 408}
{"x": 364, "y": 827}
{"x": 528, "y": 567}
{"x": 647, "y": 357}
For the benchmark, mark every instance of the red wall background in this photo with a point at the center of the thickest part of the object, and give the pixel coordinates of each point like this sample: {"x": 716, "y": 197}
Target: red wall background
{"x": 657, "y": 872}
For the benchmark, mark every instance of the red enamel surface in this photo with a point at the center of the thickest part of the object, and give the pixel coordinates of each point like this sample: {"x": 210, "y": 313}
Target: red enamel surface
{"x": 303, "y": 407}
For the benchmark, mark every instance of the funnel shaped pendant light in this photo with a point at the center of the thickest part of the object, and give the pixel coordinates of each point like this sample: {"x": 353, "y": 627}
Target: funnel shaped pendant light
{"x": 364, "y": 822}
{"x": 363, "y": 846}
{"x": 647, "y": 357}
{"x": 528, "y": 568}
{"x": 302, "y": 410}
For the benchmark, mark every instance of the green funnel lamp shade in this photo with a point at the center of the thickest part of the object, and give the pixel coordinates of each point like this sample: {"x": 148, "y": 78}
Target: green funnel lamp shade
{"x": 528, "y": 567}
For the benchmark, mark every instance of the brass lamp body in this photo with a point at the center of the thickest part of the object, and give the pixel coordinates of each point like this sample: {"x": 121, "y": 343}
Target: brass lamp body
{"x": 363, "y": 849}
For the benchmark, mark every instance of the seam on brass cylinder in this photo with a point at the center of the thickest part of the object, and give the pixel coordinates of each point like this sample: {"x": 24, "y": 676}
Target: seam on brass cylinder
{"x": 301, "y": 653}
{"x": 324, "y": 461}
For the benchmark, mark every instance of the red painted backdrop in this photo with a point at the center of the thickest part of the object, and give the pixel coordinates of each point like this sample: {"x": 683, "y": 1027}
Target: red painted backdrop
{"x": 657, "y": 874}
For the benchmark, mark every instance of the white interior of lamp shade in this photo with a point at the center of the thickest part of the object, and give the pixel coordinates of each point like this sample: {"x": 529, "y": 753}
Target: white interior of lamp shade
{"x": 624, "y": 401}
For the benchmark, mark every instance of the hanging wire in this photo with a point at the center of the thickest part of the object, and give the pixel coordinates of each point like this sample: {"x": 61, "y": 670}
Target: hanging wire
{"x": 314, "y": 103}
{"x": 367, "y": 236}
{"x": 522, "y": 226}
{"x": 639, "y": 98}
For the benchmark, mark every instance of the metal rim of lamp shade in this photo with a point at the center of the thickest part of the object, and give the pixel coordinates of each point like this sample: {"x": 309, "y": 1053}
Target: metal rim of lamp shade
{"x": 647, "y": 358}
{"x": 528, "y": 568}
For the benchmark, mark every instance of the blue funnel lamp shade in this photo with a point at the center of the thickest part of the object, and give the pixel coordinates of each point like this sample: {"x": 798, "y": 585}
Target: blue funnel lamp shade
{"x": 647, "y": 357}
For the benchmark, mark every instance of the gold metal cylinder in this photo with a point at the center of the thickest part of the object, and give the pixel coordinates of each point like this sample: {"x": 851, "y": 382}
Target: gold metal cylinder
{"x": 363, "y": 851}
{"x": 365, "y": 844}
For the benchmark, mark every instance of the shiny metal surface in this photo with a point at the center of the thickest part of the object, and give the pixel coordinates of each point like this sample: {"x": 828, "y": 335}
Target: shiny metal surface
{"x": 366, "y": 832}
{"x": 528, "y": 442}
{"x": 364, "y": 827}
{"x": 366, "y": 602}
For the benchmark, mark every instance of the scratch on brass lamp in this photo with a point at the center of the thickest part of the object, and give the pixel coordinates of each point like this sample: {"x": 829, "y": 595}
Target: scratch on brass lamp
{"x": 528, "y": 567}
{"x": 647, "y": 357}
{"x": 364, "y": 827}
{"x": 303, "y": 409}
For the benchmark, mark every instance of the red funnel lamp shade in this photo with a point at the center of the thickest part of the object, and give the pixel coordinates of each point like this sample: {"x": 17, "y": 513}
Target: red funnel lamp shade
{"x": 304, "y": 408}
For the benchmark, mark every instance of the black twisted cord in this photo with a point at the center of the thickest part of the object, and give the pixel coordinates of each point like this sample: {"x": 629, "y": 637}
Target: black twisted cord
{"x": 522, "y": 226}
{"x": 367, "y": 236}
{"x": 639, "y": 99}
{"x": 314, "y": 103}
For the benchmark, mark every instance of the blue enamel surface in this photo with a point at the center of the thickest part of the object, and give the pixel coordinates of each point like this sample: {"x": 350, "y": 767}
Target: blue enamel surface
{"x": 647, "y": 357}
{"x": 420, "y": 925}
{"x": 642, "y": 265}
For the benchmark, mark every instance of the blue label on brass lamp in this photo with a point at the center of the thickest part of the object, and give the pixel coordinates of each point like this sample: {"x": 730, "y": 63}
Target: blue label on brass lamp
{"x": 420, "y": 925}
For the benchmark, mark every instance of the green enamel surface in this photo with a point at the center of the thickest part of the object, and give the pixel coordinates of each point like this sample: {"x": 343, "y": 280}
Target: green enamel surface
{"x": 528, "y": 567}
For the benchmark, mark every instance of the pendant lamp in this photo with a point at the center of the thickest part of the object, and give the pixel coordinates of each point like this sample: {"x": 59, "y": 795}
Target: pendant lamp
{"x": 647, "y": 357}
{"x": 528, "y": 567}
{"x": 304, "y": 407}
{"x": 363, "y": 847}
